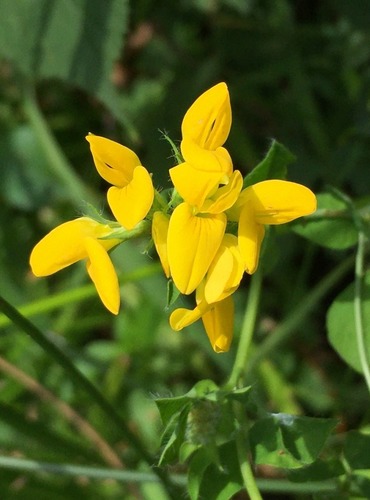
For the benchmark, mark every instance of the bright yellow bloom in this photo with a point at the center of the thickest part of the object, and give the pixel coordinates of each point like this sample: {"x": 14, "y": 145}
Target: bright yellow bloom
{"x": 160, "y": 225}
{"x": 205, "y": 128}
{"x": 213, "y": 296}
{"x": 77, "y": 240}
{"x": 218, "y": 320}
{"x": 131, "y": 196}
{"x": 192, "y": 244}
{"x": 195, "y": 234}
{"x": 268, "y": 202}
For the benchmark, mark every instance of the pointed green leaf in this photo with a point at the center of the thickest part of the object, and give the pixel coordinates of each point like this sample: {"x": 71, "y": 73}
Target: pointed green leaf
{"x": 168, "y": 407}
{"x": 273, "y": 166}
{"x": 174, "y": 437}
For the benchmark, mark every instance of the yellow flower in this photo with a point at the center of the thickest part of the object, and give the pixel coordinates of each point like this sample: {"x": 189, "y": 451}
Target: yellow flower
{"x": 268, "y": 202}
{"x": 195, "y": 234}
{"x": 131, "y": 196}
{"x": 213, "y": 297}
{"x": 207, "y": 184}
{"x": 160, "y": 225}
{"x": 205, "y": 128}
{"x": 76, "y": 240}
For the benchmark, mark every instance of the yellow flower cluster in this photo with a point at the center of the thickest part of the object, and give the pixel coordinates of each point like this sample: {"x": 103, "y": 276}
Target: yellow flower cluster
{"x": 190, "y": 232}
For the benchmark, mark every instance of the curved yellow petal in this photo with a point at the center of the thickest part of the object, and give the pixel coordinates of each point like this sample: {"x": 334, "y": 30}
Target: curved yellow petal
{"x": 193, "y": 185}
{"x": 114, "y": 162}
{"x": 277, "y": 202}
{"x": 160, "y": 225}
{"x": 225, "y": 272}
{"x": 209, "y": 160}
{"x": 225, "y": 196}
{"x": 131, "y": 204}
{"x": 64, "y": 245}
{"x": 250, "y": 236}
{"x": 181, "y": 317}
{"x": 103, "y": 274}
{"x": 208, "y": 120}
{"x": 219, "y": 324}
{"x": 192, "y": 244}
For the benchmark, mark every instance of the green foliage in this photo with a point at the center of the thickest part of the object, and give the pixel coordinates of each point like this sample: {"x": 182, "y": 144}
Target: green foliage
{"x": 298, "y": 79}
{"x": 341, "y": 321}
{"x": 273, "y": 166}
{"x": 289, "y": 441}
{"x": 331, "y": 226}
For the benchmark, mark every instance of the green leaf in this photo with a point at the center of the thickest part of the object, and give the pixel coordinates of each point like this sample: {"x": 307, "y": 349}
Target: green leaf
{"x": 330, "y": 226}
{"x": 356, "y": 450}
{"x": 168, "y": 407}
{"x": 319, "y": 470}
{"x": 273, "y": 166}
{"x": 242, "y": 395}
{"x": 340, "y": 323}
{"x": 289, "y": 441}
{"x": 75, "y": 41}
{"x": 174, "y": 436}
{"x": 205, "y": 389}
{"x": 208, "y": 480}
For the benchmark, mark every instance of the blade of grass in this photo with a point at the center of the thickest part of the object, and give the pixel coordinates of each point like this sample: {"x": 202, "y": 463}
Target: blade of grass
{"x": 84, "y": 383}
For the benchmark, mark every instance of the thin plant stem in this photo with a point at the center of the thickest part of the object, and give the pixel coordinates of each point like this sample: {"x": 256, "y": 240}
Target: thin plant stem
{"x": 84, "y": 383}
{"x": 357, "y": 302}
{"x": 242, "y": 446}
{"x": 248, "y": 326}
{"x": 287, "y": 327}
{"x": 71, "y": 470}
{"x": 84, "y": 428}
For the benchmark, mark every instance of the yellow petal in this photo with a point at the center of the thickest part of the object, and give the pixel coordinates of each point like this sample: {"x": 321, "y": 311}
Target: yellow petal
{"x": 64, "y": 245}
{"x": 217, "y": 160}
{"x": 208, "y": 120}
{"x": 277, "y": 202}
{"x": 250, "y": 236}
{"x": 160, "y": 225}
{"x": 114, "y": 162}
{"x": 225, "y": 196}
{"x": 219, "y": 324}
{"x": 193, "y": 185}
{"x": 192, "y": 244}
{"x": 225, "y": 272}
{"x": 181, "y": 317}
{"x": 131, "y": 204}
{"x": 103, "y": 274}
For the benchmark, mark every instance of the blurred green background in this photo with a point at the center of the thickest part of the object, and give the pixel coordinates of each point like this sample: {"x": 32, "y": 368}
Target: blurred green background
{"x": 297, "y": 71}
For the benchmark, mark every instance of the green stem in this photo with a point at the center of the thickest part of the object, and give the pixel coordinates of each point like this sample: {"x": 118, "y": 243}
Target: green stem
{"x": 242, "y": 446}
{"x": 357, "y": 302}
{"x": 292, "y": 321}
{"x": 265, "y": 485}
{"x": 57, "y": 354}
{"x": 249, "y": 321}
